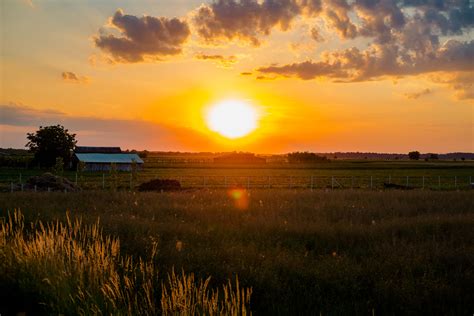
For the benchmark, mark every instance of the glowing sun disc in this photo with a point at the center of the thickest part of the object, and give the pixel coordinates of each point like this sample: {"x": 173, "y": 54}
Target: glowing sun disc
{"x": 232, "y": 118}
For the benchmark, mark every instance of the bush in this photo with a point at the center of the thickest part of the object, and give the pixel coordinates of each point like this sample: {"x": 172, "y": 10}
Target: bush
{"x": 160, "y": 185}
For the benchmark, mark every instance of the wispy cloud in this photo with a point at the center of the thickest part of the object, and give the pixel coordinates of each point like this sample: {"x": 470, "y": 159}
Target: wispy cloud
{"x": 71, "y": 77}
{"x": 417, "y": 94}
{"x": 17, "y": 120}
{"x": 225, "y": 61}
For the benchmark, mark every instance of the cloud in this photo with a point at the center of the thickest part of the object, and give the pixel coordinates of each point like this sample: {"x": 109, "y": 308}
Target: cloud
{"x": 249, "y": 20}
{"x": 461, "y": 82}
{"x": 17, "y": 120}
{"x": 71, "y": 77}
{"x": 225, "y": 61}
{"x": 21, "y": 115}
{"x": 417, "y": 94}
{"x": 316, "y": 34}
{"x": 304, "y": 70}
{"x": 246, "y": 73}
{"x": 142, "y": 38}
{"x": 336, "y": 15}
{"x": 378, "y": 61}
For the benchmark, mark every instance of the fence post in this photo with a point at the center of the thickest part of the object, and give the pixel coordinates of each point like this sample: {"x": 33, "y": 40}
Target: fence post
{"x": 423, "y": 183}
{"x": 131, "y": 179}
{"x": 49, "y": 189}
{"x": 439, "y": 182}
{"x": 332, "y": 182}
{"x": 312, "y": 183}
{"x": 20, "y": 179}
{"x": 35, "y": 187}
{"x": 352, "y": 183}
{"x": 225, "y": 181}
{"x": 203, "y": 181}
{"x": 103, "y": 181}
{"x": 248, "y": 183}
{"x": 291, "y": 182}
{"x": 75, "y": 180}
{"x": 407, "y": 182}
{"x": 269, "y": 183}
{"x": 21, "y": 187}
{"x": 455, "y": 182}
{"x": 390, "y": 179}
{"x": 371, "y": 183}
{"x": 11, "y": 186}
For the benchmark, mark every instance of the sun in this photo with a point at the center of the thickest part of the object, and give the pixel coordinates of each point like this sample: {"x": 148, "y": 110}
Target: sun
{"x": 232, "y": 118}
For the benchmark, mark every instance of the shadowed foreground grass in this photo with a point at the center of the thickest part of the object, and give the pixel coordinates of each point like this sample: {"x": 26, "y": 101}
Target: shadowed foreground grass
{"x": 329, "y": 252}
{"x": 72, "y": 269}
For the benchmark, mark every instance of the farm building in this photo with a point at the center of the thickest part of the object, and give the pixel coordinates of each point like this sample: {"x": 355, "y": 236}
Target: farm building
{"x": 239, "y": 158}
{"x": 102, "y": 159}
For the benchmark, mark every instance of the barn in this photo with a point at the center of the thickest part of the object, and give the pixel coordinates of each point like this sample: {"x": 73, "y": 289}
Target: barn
{"x": 102, "y": 159}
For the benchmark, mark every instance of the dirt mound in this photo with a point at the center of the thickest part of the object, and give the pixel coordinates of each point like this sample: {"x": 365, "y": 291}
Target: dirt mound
{"x": 160, "y": 185}
{"x": 50, "y": 181}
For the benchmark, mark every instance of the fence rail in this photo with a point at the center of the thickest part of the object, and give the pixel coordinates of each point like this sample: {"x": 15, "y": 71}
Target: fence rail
{"x": 130, "y": 181}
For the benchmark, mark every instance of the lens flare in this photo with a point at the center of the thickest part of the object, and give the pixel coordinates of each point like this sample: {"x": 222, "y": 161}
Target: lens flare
{"x": 240, "y": 198}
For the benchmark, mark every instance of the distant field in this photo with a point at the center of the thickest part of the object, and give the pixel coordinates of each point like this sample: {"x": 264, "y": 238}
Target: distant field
{"x": 346, "y": 173}
{"x": 338, "y": 252}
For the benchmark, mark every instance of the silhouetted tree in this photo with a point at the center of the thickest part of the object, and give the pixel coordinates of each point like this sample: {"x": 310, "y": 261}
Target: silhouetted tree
{"x": 49, "y": 143}
{"x": 297, "y": 157}
{"x": 433, "y": 156}
{"x": 414, "y": 155}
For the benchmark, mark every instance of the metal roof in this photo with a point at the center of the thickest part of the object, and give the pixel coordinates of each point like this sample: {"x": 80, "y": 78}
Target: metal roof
{"x": 109, "y": 158}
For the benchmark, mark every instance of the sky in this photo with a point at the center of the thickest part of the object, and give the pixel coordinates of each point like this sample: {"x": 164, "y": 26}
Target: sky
{"x": 321, "y": 75}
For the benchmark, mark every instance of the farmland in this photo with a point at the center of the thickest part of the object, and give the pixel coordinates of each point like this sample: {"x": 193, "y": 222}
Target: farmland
{"x": 346, "y": 174}
{"x": 325, "y": 238}
{"x": 328, "y": 252}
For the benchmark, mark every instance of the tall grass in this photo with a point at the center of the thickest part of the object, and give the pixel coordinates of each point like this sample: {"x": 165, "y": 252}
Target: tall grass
{"x": 334, "y": 252}
{"x": 73, "y": 269}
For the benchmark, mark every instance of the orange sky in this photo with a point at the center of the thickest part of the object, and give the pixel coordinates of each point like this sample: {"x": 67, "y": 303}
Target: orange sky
{"x": 324, "y": 75}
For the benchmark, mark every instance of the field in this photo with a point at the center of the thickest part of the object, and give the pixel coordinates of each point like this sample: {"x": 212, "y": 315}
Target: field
{"x": 337, "y": 174}
{"x": 327, "y": 252}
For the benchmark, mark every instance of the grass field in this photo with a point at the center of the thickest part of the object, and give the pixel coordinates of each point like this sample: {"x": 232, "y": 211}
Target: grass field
{"x": 347, "y": 174}
{"x": 302, "y": 252}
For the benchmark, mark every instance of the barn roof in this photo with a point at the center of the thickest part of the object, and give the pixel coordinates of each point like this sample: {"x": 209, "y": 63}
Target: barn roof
{"x": 108, "y": 158}
{"x": 103, "y": 150}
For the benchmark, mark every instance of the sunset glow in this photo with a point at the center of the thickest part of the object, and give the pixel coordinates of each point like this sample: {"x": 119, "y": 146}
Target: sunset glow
{"x": 232, "y": 118}
{"x": 323, "y": 75}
